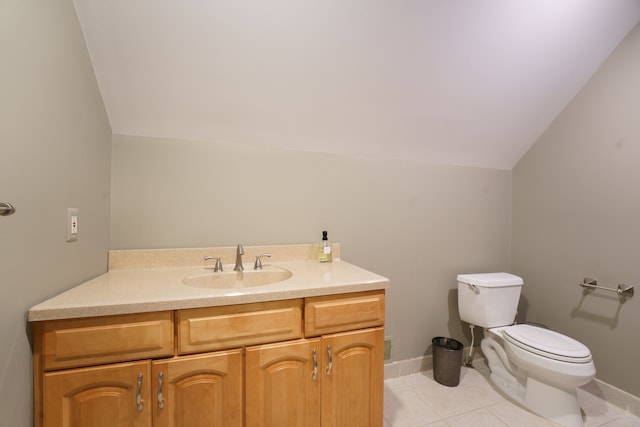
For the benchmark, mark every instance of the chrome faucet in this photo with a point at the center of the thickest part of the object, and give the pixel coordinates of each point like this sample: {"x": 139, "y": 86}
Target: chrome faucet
{"x": 258, "y": 264}
{"x": 218, "y": 266}
{"x": 239, "y": 253}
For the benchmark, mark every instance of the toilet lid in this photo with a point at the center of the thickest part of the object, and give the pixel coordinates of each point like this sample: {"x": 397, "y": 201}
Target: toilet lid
{"x": 547, "y": 343}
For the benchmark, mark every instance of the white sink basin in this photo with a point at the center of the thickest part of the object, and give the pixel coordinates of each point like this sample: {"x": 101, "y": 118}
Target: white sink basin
{"x": 207, "y": 278}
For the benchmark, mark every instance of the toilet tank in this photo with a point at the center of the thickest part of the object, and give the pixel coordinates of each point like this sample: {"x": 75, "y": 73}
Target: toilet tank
{"x": 488, "y": 300}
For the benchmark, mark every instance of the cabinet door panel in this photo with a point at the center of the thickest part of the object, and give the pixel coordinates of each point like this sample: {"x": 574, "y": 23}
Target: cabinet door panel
{"x": 103, "y": 396}
{"x": 281, "y": 389}
{"x": 353, "y": 386}
{"x": 199, "y": 391}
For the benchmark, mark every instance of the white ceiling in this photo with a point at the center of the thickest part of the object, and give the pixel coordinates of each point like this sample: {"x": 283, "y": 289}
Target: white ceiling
{"x": 465, "y": 82}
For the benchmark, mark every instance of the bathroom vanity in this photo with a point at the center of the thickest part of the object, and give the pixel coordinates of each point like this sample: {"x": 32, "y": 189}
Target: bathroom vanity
{"x": 163, "y": 340}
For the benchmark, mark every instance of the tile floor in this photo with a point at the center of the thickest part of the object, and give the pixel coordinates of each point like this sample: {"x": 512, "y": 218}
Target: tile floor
{"x": 416, "y": 400}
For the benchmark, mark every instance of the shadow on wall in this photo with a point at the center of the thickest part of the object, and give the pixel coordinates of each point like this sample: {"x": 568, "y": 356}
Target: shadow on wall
{"x": 523, "y": 309}
{"x": 611, "y": 321}
{"x": 455, "y": 326}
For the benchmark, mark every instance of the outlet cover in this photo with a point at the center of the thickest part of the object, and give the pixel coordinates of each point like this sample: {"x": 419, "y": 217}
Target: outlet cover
{"x": 387, "y": 348}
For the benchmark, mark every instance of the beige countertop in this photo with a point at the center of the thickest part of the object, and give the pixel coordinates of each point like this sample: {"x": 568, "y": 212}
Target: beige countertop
{"x": 135, "y": 283}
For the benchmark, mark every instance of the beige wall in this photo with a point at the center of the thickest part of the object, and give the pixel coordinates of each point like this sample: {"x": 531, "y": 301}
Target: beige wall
{"x": 576, "y": 214}
{"x": 575, "y": 204}
{"x": 418, "y": 224}
{"x": 54, "y": 154}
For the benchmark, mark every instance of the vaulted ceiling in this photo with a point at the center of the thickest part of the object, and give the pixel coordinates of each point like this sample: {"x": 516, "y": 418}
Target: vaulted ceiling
{"x": 465, "y": 82}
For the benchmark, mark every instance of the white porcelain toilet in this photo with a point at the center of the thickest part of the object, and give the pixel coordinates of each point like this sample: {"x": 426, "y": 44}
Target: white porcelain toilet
{"x": 538, "y": 368}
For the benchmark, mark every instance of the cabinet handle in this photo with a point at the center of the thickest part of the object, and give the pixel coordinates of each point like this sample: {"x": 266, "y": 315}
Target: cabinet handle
{"x": 330, "y": 360}
{"x": 160, "y": 400}
{"x": 139, "y": 393}
{"x": 315, "y": 365}
{"x": 6, "y": 209}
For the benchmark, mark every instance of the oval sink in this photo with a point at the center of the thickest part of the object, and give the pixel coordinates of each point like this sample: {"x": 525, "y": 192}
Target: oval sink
{"x": 207, "y": 278}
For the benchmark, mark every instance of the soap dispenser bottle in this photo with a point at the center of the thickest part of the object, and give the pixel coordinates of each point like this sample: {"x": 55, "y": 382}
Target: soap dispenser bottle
{"x": 324, "y": 253}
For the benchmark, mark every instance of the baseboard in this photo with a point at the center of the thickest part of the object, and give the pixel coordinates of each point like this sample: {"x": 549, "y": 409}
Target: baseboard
{"x": 401, "y": 368}
{"x": 598, "y": 388}
{"x": 614, "y": 396}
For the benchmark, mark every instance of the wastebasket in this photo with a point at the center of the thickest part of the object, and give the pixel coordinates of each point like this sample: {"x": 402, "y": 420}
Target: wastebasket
{"x": 447, "y": 360}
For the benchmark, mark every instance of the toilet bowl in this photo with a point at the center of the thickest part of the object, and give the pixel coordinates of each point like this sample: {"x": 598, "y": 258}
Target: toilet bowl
{"x": 538, "y": 368}
{"x": 544, "y": 381}
{"x": 549, "y": 355}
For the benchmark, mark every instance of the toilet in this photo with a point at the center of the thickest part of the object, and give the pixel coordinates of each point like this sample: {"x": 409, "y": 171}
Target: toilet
{"x": 536, "y": 367}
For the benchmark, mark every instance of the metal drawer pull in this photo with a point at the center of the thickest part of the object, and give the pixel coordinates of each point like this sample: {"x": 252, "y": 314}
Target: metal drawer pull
{"x": 330, "y": 360}
{"x": 160, "y": 400}
{"x": 315, "y": 365}
{"x": 139, "y": 393}
{"x": 6, "y": 209}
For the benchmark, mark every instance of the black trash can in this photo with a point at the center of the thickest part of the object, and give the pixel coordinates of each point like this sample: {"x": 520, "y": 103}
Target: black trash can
{"x": 447, "y": 360}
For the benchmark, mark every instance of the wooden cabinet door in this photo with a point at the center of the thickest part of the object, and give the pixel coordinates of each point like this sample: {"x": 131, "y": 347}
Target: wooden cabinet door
{"x": 353, "y": 379}
{"x": 101, "y": 396}
{"x": 198, "y": 391}
{"x": 282, "y": 384}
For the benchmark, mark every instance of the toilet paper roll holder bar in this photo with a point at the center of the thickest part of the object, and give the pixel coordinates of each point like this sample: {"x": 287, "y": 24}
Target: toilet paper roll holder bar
{"x": 623, "y": 291}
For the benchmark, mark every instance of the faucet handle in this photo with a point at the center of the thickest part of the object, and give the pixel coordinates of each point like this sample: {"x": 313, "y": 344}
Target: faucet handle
{"x": 258, "y": 264}
{"x": 218, "y": 266}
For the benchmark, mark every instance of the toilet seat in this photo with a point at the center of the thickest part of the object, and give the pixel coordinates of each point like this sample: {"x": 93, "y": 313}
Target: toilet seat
{"x": 547, "y": 343}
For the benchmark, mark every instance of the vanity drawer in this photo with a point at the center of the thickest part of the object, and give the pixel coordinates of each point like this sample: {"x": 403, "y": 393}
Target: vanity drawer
{"x": 337, "y": 313}
{"x": 98, "y": 340}
{"x": 217, "y": 328}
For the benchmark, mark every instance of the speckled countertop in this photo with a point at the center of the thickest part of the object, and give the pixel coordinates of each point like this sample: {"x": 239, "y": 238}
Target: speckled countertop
{"x": 152, "y": 280}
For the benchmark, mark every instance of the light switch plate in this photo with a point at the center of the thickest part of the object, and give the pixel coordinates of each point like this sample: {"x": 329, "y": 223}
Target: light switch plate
{"x": 72, "y": 224}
